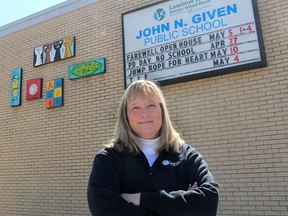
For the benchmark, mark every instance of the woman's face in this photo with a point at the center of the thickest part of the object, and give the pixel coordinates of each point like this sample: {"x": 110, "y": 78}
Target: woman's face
{"x": 144, "y": 116}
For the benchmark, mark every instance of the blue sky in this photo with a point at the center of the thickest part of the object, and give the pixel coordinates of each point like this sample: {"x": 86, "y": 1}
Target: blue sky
{"x": 12, "y": 10}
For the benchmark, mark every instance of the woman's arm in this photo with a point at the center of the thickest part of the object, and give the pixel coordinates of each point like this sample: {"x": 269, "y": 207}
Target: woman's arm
{"x": 104, "y": 190}
{"x": 201, "y": 200}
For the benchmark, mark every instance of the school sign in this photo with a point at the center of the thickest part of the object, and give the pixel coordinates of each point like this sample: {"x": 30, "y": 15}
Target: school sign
{"x": 175, "y": 41}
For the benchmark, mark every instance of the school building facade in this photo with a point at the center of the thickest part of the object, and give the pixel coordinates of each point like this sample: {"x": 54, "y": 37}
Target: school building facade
{"x": 238, "y": 121}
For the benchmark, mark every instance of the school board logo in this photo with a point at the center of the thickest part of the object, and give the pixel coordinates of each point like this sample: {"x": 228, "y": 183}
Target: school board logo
{"x": 174, "y": 164}
{"x": 159, "y": 14}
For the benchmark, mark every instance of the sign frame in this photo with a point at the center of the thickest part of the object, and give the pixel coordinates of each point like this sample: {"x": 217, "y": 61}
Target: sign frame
{"x": 126, "y": 29}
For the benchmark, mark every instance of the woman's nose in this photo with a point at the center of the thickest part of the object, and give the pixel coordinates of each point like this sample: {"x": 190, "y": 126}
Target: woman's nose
{"x": 144, "y": 113}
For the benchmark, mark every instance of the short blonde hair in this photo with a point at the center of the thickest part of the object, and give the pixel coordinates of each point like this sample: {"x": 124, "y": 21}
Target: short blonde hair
{"x": 124, "y": 137}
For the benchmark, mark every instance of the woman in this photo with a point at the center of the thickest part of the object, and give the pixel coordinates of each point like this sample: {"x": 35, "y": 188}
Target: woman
{"x": 148, "y": 169}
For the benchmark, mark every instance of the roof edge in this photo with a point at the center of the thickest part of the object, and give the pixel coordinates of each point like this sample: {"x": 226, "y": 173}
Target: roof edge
{"x": 44, "y": 15}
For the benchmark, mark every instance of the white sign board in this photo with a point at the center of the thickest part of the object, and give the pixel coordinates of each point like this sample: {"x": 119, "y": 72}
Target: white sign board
{"x": 176, "y": 41}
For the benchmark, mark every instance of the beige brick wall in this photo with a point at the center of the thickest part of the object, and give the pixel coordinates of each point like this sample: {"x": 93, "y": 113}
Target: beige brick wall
{"x": 239, "y": 121}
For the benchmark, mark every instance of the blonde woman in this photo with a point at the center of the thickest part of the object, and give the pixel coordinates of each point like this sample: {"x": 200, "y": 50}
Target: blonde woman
{"x": 148, "y": 169}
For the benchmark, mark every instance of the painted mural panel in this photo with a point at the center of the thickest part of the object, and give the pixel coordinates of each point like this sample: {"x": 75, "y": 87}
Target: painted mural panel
{"x": 55, "y": 51}
{"x": 34, "y": 89}
{"x": 87, "y": 68}
{"x": 54, "y": 93}
{"x": 15, "y": 99}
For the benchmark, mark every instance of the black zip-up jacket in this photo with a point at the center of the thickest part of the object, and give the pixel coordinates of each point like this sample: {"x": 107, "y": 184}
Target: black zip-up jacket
{"x": 163, "y": 187}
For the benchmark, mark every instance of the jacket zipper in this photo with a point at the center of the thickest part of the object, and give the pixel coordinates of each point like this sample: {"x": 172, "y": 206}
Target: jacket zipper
{"x": 151, "y": 173}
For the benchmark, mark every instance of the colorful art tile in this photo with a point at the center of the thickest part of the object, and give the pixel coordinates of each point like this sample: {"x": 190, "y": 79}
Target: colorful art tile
{"x": 54, "y": 93}
{"x": 34, "y": 89}
{"x": 87, "y": 68}
{"x": 55, "y": 51}
{"x": 15, "y": 99}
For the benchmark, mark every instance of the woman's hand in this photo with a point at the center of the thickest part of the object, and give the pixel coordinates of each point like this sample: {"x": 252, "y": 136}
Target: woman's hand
{"x": 193, "y": 187}
{"x": 132, "y": 198}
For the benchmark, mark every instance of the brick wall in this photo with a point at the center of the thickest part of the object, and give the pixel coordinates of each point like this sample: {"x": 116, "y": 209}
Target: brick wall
{"x": 238, "y": 121}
